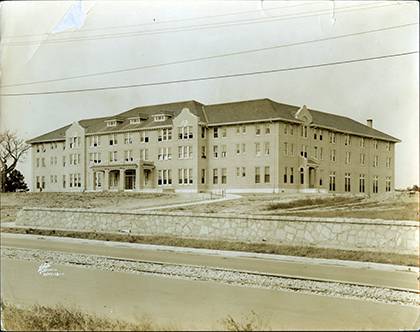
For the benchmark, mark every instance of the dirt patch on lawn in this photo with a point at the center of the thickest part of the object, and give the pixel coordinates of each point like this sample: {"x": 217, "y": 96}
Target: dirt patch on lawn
{"x": 389, "y": 206}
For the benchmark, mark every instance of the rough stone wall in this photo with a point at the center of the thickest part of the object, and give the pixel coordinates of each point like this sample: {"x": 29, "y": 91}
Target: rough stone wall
{"x": 340, "y": 233}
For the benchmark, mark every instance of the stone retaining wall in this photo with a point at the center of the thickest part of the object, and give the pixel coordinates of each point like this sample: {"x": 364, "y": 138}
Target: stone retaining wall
{"x": 340, "y": 233}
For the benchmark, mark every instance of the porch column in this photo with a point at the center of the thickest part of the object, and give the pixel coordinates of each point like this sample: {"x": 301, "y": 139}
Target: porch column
{"x": 137, "y": 183}
{"x": 122, "y": 179}
{"x": 106, "y": 180}
{"x": 93, "y": 180}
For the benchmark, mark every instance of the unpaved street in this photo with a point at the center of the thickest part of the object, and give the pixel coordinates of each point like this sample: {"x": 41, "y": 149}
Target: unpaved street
{"x": 183, "y": 295}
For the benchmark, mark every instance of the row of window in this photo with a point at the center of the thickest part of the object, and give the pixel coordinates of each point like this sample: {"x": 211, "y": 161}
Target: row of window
{"x": 75, "y": 181}
{"x": 362, "y": 183}
{"x": 186, "y": 132}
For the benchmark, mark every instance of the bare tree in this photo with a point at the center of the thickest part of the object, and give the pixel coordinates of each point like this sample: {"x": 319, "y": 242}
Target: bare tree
{"x": 12, "y": 150}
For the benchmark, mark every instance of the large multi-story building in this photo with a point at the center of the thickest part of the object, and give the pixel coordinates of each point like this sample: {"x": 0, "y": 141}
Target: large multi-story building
{"x": 248, "y": 146}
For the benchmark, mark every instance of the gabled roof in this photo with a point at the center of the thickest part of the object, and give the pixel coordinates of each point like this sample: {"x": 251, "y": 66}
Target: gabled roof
{"x": 218, "y": 114}
{"x": 249, "y": 111}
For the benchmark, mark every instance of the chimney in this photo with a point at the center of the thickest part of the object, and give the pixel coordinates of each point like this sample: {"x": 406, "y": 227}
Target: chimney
{"x": 369, "y": 123}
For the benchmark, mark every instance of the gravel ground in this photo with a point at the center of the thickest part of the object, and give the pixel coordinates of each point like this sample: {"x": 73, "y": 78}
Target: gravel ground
{"x": 232, "y": 277}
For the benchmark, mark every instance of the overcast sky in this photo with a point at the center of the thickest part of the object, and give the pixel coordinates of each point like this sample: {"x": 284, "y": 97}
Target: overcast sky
{"x": 127, "y": 34}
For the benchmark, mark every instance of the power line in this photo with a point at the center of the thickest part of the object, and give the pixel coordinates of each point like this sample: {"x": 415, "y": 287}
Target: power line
{"x": 212, "y": 56}
{"x": 198, "y": 79}
{"x": 161, "y": 22}
{"x": 292, "y": 16}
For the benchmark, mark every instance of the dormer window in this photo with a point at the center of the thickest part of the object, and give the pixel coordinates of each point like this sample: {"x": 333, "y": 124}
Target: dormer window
{"x": 135, "y": 121}
{"x": 113, "y": 122}
{"x": 159, "y": 117}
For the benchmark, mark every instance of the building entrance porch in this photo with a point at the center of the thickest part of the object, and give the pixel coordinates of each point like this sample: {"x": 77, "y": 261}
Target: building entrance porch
{"x": 123, "y": 177}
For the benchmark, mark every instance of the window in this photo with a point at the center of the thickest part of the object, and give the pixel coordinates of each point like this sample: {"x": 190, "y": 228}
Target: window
{"x": 223, "y": 151}
{"x": 128, "y": 155}
{"x": 257, "y": 175}
{"x": 128, "y": 139}
{"x": 302, "y": 176}
{"x": 113, "y": 139}
{"x": 185, "y": 132}
{"x": 224, "y": 176}
{"x": 215, "y": 176}
{"x": 203, "y": 132}
{"x": 347, "y": 180}
{"x": 185, "y": 176}
{"x": 135, "y": 121}
{"x": 203, "y": 176}
{"x": 74, "y": 159}
{"x": 332, "y": 155}
{"x": 215, "y": 151}
{"x": 243, "y": 172}
{"x": 362, "y": 183}
{"x": 316, "y": 152}
{"x": 165, "y": 134}
{"x": 320, "y": 135}
{"x": 304, "y": 152}
{"x": 267, "y": 129}
{"x": 243, "y": 147}
{"x": 388, "y": 162}
{"x": 144, "y": 154}
{"x": 321, "y": 153}
{"x": 347, "y": 139}
{"x": 304, "y": 131}
{"x": 332, "y": 137}
{"x": 375, "y": 161}
{"x": 113, "y": 156}
{"x": 203, "y": 151}
{"x": 362, "y": 158}
{"x": 362, "y": 142}
{"x": 111, "y": 123}
{"x": 37, "y": 162}
{"x": 286, "y": 152}
{"x": 258, "y": 149}
{"x": 216, "y": 132}
{"x": 238, "y": 148}
{"x": 95, "y": 141}
{"x": 37, "y": 183}
{"x": 388, "y": 146}
{"x": 74, "y": 142}
{"x": 375, "y": 144}
{"x": 258, "y": 130}
{"x": 388, "y": 184}
{"x": 267, "y": 148}
{"x": 95, "y": 157}
{"x": 291, "y": 175}
{"x": 348, "y": 156}
{"x": 285, "y": 175}
{"x": 164, "y": 177}
{"x": 43, "y": 162}
{"x": 266, "y": 174}
{"x": 64, "y": 181}
{"x": 375, "y": 185}
{"x": 184, "y": 152}
{"x": 144, "y": 137}
{"x": 164, "y": 153}
{"x": 159, "y": 117}
{"x": 332, "y": 181}
{"x": 224, "y": 132}
{"x": 238, "y": 171}
{"x": 43, "y": 182}
{"x": 244, "y": 129}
